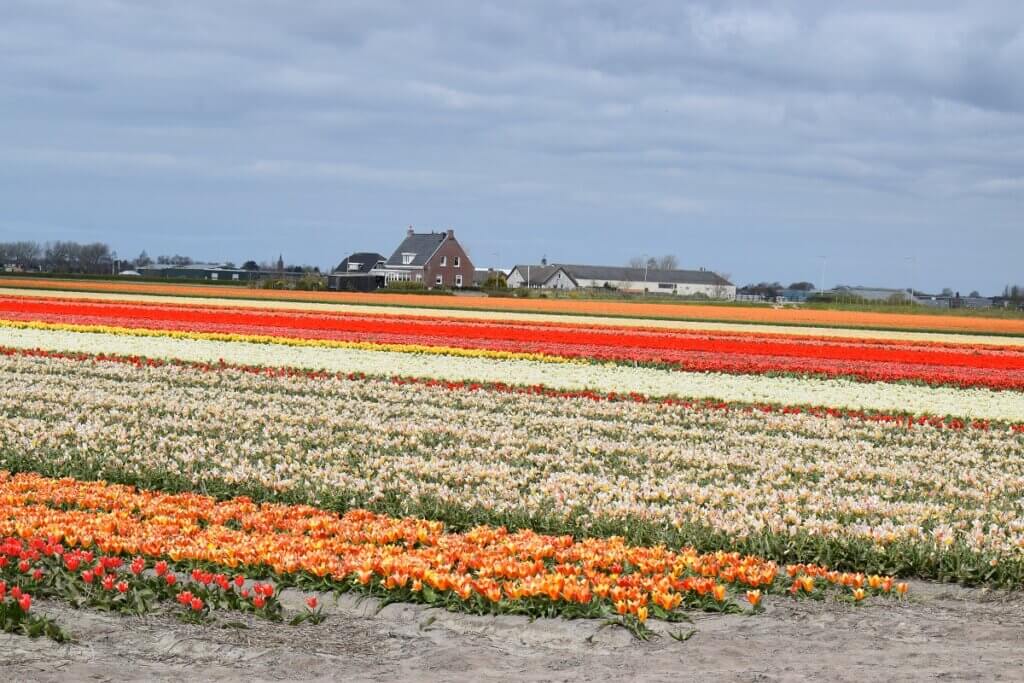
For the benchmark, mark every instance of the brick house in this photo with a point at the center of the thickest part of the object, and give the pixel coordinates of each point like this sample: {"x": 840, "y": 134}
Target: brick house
{"x": 434, "y": 258}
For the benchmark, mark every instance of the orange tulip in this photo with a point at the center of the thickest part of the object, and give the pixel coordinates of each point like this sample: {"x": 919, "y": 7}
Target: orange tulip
{"x": 754, "y": 598}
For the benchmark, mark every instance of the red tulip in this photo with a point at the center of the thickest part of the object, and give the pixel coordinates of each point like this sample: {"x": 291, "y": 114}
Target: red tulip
{"x": 311, "y": 602}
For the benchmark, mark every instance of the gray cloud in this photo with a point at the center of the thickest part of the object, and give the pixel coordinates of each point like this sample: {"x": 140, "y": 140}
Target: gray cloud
{"x": 745, "y": 136}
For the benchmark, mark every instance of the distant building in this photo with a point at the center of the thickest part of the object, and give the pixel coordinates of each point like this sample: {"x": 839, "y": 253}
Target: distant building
{"x": 434, "y": 258}
{"x": 358, "y": 273}
{"x": 634, "y": 280}
{"x": 214, "y": 272}
{"x": 530, "y": 275}
{"x": 874, "y": 294}
{"x": 197, "y": 271}
{"x": 482, "y": 275}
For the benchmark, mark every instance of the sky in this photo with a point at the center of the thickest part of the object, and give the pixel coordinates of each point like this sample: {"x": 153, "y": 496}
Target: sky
{"x": 763, "y": 140}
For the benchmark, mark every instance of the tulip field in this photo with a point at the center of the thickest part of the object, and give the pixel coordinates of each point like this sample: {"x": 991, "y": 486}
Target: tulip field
{"x": 204, "y": 453}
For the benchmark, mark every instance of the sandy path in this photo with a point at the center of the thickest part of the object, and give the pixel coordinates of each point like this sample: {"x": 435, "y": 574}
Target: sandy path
{"x": 944, "y": 633}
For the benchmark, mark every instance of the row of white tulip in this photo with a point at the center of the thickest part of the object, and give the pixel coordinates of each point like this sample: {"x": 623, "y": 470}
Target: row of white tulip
{"x": 735, "y": 471}
{"x": 974, "y": 403}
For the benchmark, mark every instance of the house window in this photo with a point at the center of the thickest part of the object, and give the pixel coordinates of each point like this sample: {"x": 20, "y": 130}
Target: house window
{"x": 213, "y": 276}
{"x": 437, "y": 280}
{"x": 407, "y": 258}
{"x": 444, "y": 261}
{"x": 458, "y": 280}
{"x": 458, "y": 262}
{"x": 353, "y": 266}
{"x": 234, "y": 276}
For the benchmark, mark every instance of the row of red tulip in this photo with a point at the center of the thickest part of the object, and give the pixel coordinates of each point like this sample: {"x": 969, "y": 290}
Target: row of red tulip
{"x": 971, "y": 366}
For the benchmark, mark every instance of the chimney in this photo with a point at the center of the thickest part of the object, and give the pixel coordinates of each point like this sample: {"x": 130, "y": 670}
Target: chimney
{"x": 451, "y": 234}
{"x": 409, "y": 231}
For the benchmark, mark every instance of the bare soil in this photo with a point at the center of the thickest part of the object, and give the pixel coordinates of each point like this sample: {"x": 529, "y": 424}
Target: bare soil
{"x": 943, "y": 633}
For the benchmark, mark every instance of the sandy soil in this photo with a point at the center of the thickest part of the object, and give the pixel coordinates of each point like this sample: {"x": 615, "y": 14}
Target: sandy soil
{"x": 944, "y": 632}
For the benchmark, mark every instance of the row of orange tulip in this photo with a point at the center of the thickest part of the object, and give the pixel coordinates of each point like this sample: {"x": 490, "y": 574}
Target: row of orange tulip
{"x": 489, "y": 568}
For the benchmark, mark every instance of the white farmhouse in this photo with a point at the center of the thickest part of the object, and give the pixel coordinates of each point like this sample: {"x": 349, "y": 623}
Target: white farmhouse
{"x": 634, "y": 280}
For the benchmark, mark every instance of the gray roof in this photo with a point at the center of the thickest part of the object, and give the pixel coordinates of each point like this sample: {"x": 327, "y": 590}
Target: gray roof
{"x": 422, "y": 244}
{"x": 538, "y": 273}
{"x": 366, "y": 260}
{"x": 690, "y": 277}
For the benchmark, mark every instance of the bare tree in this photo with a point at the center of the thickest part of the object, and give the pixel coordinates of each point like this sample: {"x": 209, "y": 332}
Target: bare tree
{"x": 720, "y": 290}
{"x": 95, "y": 257}
{"x": 21, "y": 254}
{"x": 666, "y": 262}
{"x": 61, "y": 256}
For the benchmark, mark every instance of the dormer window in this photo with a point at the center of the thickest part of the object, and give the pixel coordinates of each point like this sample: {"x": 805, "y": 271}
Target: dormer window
{"x": 407, "y": 258}
{"x": 353, "y": 266}
{"x": 444, "y": 260}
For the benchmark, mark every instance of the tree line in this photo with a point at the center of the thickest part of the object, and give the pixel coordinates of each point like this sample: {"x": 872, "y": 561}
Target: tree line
{"x": 97, "y": 258}
{"x": 59, "y": 256}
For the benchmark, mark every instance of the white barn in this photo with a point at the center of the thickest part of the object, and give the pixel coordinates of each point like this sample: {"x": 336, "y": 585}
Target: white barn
{"x": 650, "y": 280}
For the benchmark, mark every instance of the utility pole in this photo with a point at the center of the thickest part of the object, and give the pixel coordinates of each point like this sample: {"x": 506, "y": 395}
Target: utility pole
{"x": 824, "y": 259}
{"x": 913, "y": 274}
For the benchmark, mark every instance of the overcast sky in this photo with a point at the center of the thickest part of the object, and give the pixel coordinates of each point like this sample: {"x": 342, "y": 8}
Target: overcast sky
{"x": 750, "y": 138}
